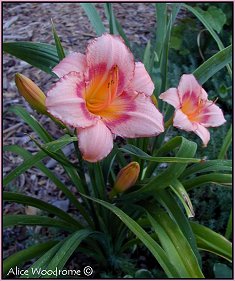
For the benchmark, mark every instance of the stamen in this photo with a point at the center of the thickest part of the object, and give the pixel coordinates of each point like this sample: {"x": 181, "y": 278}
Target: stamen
{"x": 113, "y": 82}
{"x": 213, "y": 102}
{"x": 97, "y": 99}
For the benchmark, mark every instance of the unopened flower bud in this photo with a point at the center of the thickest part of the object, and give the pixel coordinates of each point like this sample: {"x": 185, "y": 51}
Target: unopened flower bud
{"x": 127, "y": 177}
{"x": 31, "y": 92}
{"x": 154, "y": 100}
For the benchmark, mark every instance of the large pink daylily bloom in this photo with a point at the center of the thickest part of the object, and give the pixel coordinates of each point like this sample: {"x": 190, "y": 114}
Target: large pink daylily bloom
{"x": 194, "y": 112}
{"x": 104, "y": 93}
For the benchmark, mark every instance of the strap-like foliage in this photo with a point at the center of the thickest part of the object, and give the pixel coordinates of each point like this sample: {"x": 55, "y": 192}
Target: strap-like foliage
{"x": 176, "y": 245}
{"x": 41, "y": 55}
{"x": 211, "y": 241}
{"x": 30, "y": 201}
{"x": 146, "y": 239}
{"x": 21, "y": 257}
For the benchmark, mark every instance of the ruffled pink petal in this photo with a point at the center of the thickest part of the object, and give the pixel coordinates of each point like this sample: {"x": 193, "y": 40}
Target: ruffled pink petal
{"x": 189, "y": 86}
{"x": 107, "y": 51}
{"x": 211, "y": 115}
{"x": 203, "y": 133}
{"x": 171, "y": 96}
{"x": 142, "y": 83}
{"x": 141, "y": 120}
{"x": 182, "y": 122}
{"x": 203, "y": 95}
{"x": 73, "y": 62}
{"x": 95, "y": 142}
{"x": 65, "y": 101}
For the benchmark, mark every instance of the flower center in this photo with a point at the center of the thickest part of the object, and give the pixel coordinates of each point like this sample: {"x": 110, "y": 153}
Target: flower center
{"x": 192, "y": 108}
{"x": 99, "y": 95}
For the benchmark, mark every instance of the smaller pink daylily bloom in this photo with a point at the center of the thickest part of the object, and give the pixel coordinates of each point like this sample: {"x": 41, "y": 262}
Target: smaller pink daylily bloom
{"x": 104, "y": 93}
{"x": 193, "y": 111}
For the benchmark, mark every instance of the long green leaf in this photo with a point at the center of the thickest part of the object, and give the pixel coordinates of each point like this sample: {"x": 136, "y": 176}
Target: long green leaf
{"x": 216, "y": 178}
{"x": 46, "y": 137}
{"x": 147, "y": 61}
{"x": 67, "y": 249}
{"x": 21, "y": 257}
{"x": 183, "y": 196}
{"x": 59, "y": 47}
{"x": 131, "y": 149}
{"x": 207, "y": 25}
{"x": 73, "y": 199}
{"x": 111, "y": 18}
{"x": 209, "y": 240}
{"x": 52, "y": 146}
{"x": 57, "y": 156}
{"x": 180, "y": 142}
{"x": 208, "y": 166}
{"x": 122, "y": 33}
{"x": 94, "y": 18}
{"x": 30, "y": 201}
{"x": 226, "y": 144}
{"x": 99, "y": 179}
{"x": 229, "y": 228}
{"x": 213, "y": 65}
{"x": 41, "y": 55}
{"x": 114, "y": 26}
{"x": 34, "y": 271}
{"x": 176, "y": 245}
{"x": 175, "y": 10}
{"x": 164, "y": 59}
{"x": 165, "y": 198}
{"x": 31, "y": 121}
{"x": 187, "y": 149}
{"x": 12, "y": 220}
{"x": 161, "y": 15}
{"x": 146, "y": 239}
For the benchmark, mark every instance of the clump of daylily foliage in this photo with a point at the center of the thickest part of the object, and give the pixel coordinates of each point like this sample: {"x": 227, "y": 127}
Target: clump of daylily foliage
{"x": 124, "y": 198}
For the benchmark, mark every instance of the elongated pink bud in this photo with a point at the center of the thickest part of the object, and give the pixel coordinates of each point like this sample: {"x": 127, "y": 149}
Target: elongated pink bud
{"x": 31, "y": 92}
{"x": 127, "y": 177}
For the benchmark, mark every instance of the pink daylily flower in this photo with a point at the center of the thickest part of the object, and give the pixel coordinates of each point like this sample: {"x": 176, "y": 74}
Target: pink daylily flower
{"x": 193, "y": 111}
{"x": 104, "y": 93}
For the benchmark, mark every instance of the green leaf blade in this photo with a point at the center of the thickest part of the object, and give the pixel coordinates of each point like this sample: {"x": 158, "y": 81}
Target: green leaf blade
{"x": 146, "y": 239}
{"x": 31, "y": 121}
{"x": 176, "y": 245}
{"x": 12, "y": 220}
{"x": 209, "y": 240}
{"x": 59, "y": 47}
{"x": 73, "y": 199}
{"x": 166, "y": 199}
{"x": 41, "y": 55}
{"x": 67, "y": 249}
{"x": 94, "y": 18}
{"x": 131, "y": 149}
{"x": 21, "y": 257}
{"x": 226, "y": 144}
{"x": 213, "y": 64}
{"x": 52, "y": 146}
{"x": 30, "y": 201}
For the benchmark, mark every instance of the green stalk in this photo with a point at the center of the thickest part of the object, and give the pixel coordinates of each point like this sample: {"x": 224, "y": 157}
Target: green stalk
{"x": 229, "y": 227}
{"x": 226, "y": 144}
